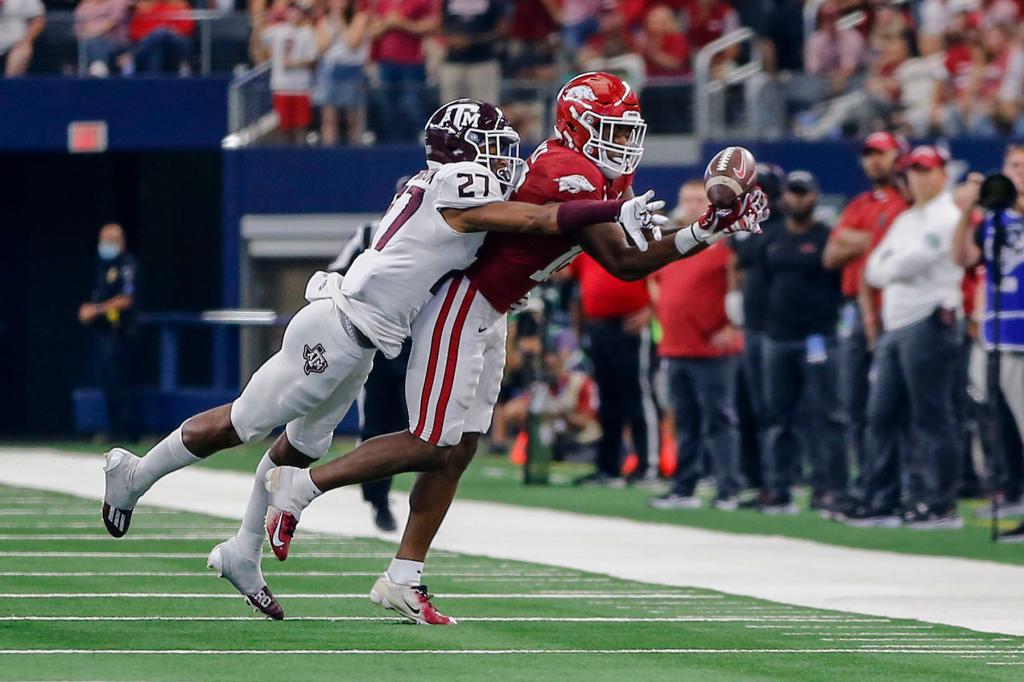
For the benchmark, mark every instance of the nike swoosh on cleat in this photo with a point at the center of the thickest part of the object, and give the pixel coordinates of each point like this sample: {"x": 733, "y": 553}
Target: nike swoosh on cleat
{"x": 414, "y": 609}
{"x": 276, "y": 540}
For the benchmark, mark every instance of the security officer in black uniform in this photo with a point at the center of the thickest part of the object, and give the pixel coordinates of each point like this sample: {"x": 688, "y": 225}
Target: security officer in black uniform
{"x": 110, "y": 313}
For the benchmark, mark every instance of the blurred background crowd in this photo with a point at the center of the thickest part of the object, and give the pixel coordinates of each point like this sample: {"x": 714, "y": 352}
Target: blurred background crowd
{"x": 825, "y": 68}
{"x": 847, "y": 356}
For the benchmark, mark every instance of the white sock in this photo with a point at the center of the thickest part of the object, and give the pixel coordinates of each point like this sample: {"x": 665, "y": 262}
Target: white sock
{"x": 168, "y": 455}
{"x": 250, "y": 534}
{"x": 405, "y": 572}
{"x": 305, "y": 488}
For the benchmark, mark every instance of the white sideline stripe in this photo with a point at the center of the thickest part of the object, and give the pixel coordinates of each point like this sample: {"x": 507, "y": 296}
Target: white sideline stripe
{"x": 603, "y": 596}
{"x": 981, "y": 595}
{"x": 476, "y": 619}
{"x": 465, "y": 652}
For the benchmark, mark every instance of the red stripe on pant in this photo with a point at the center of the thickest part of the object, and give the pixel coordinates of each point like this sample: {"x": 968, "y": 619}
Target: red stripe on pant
{"x": 453, "y": 359}
{"x": 435, "y": 342}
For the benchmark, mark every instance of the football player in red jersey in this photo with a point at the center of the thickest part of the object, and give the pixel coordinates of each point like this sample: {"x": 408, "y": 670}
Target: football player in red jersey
{"x": 458, "y": 351}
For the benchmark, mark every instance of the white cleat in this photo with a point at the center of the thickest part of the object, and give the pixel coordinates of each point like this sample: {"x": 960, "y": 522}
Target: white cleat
{"x": 119, "y": 497}
{"x": 409, "y": 601}
{"x": 245, "y": 574}
{"x": 284, "y": 508}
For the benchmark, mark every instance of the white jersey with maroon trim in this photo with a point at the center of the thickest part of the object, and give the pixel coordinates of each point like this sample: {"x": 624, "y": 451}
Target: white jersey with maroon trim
{"x": 412, "y": 249}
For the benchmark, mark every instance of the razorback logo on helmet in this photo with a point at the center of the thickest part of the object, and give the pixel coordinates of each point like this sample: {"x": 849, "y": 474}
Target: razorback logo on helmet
{"x": 459, "y": 116}
{"x": 598, "y": 115}
{"x": 574, "y": 184}
{"x": 580, "y": 93}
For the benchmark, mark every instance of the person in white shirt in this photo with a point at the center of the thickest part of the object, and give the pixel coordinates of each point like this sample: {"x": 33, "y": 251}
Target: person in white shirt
{"x": 915, "y": 362}
{"x": 21, "y": 22}
{"x": 292, "y": 48}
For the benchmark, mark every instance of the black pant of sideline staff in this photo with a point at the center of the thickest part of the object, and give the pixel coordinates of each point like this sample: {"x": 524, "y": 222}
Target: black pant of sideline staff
{"x": 854, "y": 365}
{"x": 788, "y": 373}
{"x": 703, "y": 395}
{"x": 115, "y": 370}
{"x": 624, "y": 367}
{"x": 915, "y": 367}
{"x": 383, "y": 410}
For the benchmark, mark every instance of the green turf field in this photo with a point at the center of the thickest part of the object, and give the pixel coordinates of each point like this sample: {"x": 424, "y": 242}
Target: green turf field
{"x": 67, "y": 594}
{"x": 494, "y": 479}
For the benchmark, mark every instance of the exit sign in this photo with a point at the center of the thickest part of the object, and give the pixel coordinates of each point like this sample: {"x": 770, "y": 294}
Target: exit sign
{"x": 87, "y": 136}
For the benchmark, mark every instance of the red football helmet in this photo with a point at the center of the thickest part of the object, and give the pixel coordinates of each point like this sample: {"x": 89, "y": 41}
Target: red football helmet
{"x": 598, "y": 115}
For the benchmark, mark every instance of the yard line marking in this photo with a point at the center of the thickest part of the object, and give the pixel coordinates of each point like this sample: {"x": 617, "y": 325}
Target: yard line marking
{"x": 71, "y": 512}
{"x": 94, "y": 524}
{"x": 105, "y": 538}
{"x": 300, "y": 574}
{"x": 462, "y": 652}
{"x": 190, "y": 555}
{"x": 334, "y": 619}
{"x": 604, "y": 596}
{"x": 839, "y": 627}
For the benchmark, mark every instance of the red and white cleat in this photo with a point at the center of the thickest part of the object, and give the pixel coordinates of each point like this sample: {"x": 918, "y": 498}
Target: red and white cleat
{"x": 280, "y": 530}
{"x": 410, "y": 601}
{"x": 288, "y": 498}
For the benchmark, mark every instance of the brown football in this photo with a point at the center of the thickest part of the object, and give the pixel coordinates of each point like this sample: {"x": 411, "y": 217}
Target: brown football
{"x": 730, "y": 174}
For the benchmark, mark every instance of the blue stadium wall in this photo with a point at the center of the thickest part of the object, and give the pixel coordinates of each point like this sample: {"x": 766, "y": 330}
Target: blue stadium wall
{"x": 151, "y": 120}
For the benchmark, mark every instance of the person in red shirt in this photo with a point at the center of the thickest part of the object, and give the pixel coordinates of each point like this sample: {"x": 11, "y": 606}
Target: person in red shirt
{"x": 665, "y": 49}
{"x": 398, "y": 28}
{"x": 863, "y": 223}
{"x": 616, "y": 318}
{"x": 700, "y": 348}
{"x": 708, "y": 20}
{"x": 161, "y": 32}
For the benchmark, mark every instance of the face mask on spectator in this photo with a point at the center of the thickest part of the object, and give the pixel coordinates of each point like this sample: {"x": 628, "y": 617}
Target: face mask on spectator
{"x": 109, "y": 250}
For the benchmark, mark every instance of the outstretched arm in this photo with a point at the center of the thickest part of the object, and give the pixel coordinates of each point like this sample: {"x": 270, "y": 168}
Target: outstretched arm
{"x": 632, "y": 216}
{"x": 606, "y": 243}
{"x": 504, "y": 216}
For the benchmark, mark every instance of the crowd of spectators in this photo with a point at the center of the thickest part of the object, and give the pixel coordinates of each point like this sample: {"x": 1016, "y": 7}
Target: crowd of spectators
{"x": 837, "y": 67}
{"x": 847, "y": 358}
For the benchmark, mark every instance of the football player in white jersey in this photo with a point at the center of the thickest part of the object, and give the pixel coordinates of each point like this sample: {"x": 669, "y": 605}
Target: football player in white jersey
{"x": 434, "y": 226}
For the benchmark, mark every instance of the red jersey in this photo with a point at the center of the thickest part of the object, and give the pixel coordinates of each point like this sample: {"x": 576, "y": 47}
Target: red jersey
{"x": 691, "y": 306}
{"x": 603, "y": 295}
{"x": 509, "y": 265}
{"x": 873, "y": 212}
{"x": 397, "y": 45}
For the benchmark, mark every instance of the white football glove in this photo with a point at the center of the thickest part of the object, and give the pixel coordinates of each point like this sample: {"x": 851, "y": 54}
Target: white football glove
{"x": 639, "y": 214}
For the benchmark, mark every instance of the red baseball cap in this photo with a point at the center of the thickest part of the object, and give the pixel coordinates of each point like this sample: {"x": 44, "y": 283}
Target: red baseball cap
{"x": 926, "y": 156}
{"x": 883, "y": 141}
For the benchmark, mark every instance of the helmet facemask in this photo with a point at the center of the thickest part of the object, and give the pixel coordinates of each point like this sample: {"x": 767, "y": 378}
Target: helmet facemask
{"x": 614, "y": 158}
{"x": 498, "y": 150}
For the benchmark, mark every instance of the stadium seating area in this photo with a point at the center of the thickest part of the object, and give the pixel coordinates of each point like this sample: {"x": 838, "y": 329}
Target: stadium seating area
{"x": 837, "y": 68}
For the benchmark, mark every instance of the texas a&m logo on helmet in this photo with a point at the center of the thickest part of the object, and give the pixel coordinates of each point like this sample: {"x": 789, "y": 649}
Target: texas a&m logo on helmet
{"x": 471, "y": 130}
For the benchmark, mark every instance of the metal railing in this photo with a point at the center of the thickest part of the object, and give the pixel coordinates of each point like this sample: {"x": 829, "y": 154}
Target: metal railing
{"x": 713, "y": 93}
{"x": 250, "y": 107}
{"x": 530, "y": 104}
{"x": 219, "y": 44}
